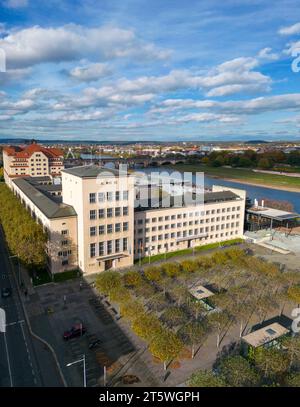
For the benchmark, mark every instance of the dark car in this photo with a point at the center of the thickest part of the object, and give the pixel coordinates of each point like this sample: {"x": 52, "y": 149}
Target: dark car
{"x": 6, "y": 292}
{"x": 74, "y": 332}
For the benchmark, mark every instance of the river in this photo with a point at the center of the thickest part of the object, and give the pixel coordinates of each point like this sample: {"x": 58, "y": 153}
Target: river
{"x": 252, "y": 191}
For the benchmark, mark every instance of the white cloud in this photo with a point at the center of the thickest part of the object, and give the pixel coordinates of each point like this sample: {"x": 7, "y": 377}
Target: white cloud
{"x": 290, "y": 30}
{"x": 90, "y": 73}
{"x": 267, "y": 54}
{"x": 34, "y": 45}
{"x": 235, "y": 107}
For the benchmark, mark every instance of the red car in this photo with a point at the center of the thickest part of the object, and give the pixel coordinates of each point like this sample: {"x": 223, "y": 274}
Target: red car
{"x": 74, "y": 332}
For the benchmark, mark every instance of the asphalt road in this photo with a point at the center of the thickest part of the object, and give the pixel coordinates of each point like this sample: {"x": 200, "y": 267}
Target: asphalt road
{"x": 18, "y": 363}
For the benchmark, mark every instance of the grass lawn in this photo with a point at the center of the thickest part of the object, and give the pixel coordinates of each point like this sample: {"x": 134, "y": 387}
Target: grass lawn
{"x": 43, "y": 277}
{"x": 165, "y": 256}
{"x": 246, "y": 175}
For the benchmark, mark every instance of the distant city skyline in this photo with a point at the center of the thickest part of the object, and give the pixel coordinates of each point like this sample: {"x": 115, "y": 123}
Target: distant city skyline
{"x": 138, "y": 70}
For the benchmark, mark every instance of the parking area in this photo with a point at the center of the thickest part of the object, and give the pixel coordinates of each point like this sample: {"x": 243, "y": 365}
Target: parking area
{"x": 56, "y": 308}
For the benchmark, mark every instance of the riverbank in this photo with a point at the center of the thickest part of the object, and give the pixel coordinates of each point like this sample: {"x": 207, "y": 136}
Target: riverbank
{"x": 248, "y": 177}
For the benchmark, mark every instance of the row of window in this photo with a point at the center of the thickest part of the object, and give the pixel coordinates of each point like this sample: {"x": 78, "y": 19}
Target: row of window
{"x": 167, "y": 246}
{"x": 109, "y": 212}
{"x": 108, "y": 196}
{"x": 191, "y": 232}
{"x": 103, "y": 229}
{"x": 185, "y": 224}
{"x": 191, "y": 214}
{"x": 108, "y": 247}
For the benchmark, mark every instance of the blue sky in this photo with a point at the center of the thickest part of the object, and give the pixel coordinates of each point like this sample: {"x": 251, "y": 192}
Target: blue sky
{"x": 150, "y": 69}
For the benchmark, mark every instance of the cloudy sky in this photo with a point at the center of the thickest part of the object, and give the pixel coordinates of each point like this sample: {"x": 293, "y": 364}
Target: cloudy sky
{"x": 150, "y": 69}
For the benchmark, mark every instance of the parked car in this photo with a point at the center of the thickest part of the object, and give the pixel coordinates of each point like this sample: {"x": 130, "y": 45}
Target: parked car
{"x": 74, "y": 332}
{"x": 6, "y": 292}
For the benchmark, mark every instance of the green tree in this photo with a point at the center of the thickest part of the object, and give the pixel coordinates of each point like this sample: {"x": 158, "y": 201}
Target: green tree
{"x": 271, "y": 362}
{"x": 132, "y": 310}
{"x": 193, "y": 333}
{"x": 153, "y": 273}
{"x": 173, "y": 316}
{"x": 205, "y": 379}
{"x": 147, "y": 326}
{"x": 237, "y": 372}
{"x": 189, "y": 266}
{"x": 264, "y": 163}
{"x": 108, "y": 281}
{"x": 132, "y": 278}
{"x": 166, "y": 346}
{"x": 292, "y": 380}
{"x": 171, "y": 269}
{"x": 294, "y": 294}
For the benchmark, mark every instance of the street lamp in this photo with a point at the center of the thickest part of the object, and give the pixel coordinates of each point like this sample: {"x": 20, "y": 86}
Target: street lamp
{"x": 84, "y": 369}
{"x": 19, "y": 271}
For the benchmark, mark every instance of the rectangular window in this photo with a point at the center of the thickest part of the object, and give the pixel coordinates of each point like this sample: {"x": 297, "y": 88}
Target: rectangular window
{"x": 101, "y": 230}
{"x": 64, "y": 232}
{"x": 117, "y": 245}
{"x": 110, "y": 196}
{"x": 101, "y": 248}
{"x": 125, "y": 244}
{"x": 92, "y": 214}
{"x": 125, "y": 195}
{"x": 92, "y": 198}
{"x": 118, "y": 211}
{"x": 125, "y": 226}
{"x": 110, "y": 212}
{"x": 109, "y": 228}
{"x": 101, "y": 197}
{"x": 109, "y": 247}
{"x": 93, "y": 231}
{"x": 92, "y": 249}
{"x": 118, "y": 227}
{"x": 125, "y": 210}
{"x": 101, "y": 213}
{"x": 117, "y": 196}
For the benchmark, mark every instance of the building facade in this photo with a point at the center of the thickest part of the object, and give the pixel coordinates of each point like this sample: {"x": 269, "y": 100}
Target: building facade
{"x": 104, "y": 203}
{"x": 32, "y": 160}
{"x": 220, "y": 217}
{"x": 93, "y": 224}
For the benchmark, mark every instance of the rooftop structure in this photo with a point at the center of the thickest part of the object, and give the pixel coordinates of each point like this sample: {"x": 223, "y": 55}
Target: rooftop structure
{"x": 265, "y": 336}
{"x": 200, "y": 292}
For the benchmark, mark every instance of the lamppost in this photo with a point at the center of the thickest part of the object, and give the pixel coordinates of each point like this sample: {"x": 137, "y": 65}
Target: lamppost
{"x": 84, "y": 368}
{"x": 19, "y": 270}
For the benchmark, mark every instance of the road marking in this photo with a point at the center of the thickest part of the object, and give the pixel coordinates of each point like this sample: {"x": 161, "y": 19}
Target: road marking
{"x": 15, "y": 323}
{"x": 8, "y": 361}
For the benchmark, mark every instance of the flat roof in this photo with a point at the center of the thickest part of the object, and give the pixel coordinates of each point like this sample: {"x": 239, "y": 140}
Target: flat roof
{"x": 271, "y": 213}
{"x": 48, "y": 206}
{"x": 265, "y": 335}
{"x": 90, "y": 171}
{"x": 208, "y": 197}
{"x": 200, "y": 292}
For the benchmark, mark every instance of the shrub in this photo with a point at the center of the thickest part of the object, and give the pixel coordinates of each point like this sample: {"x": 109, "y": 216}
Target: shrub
{"x": 132, "y": 278}
{"x": 108, "y": 281}
{"x": 153, "y": 274}
{"x": 171, "y": 269}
